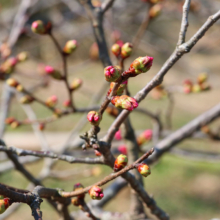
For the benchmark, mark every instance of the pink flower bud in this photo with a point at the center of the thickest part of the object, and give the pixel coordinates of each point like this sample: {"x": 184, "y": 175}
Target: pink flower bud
{"x": 76, "y": 84}
{"x": 94, "y": 117}
{"x": 120, "y": 43}
{"x": 26, "y": 99}
{"x": 120, "y": 162}
{"x": 96, "y": 193}
{"x": 116, "y": 49}
{"x": 51, "y": 101}
{"x": 124, "y": 102}
{"x": 123, "y": 149}
{"x": 12, "y": 61}
{"x": 70, "y": 46}
{"x": 52, "y": 72}
{"x": 118, "y": 135}
{"x": 112, "y": 73}
{"x": 126, "y": 50}
{"x": 148, "y": 134}
{"x": 38, "y": 27}
{"x": 4, "y": 204}
{"x": 144, "y": 169}
{"x": 12, "y": 82}
{"x": 79, "y": 186}
{"x": 120, "y": 89}
{"x": 66, "y": 103}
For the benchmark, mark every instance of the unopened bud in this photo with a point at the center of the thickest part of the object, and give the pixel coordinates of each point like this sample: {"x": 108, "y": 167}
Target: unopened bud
{"x": 116, "y": 49}
{"x": 26, "y": 99}
{"x": 53, "y": 72}
{"x": 118, "y": 135}
{"x": 4, "y": 204}
{"x": 76, "y": 84}
{"x": 202, "y": 78}
{"x": 38, "y": 27}
{"x": 51, "y": 101}
{"x": 144, "y": 169}
{"x": 70, "y": 46}
{"x": 122, "y": 149}
{"x": 126, "y": 50}
{"x": 22, "y": 56}
{"x": 20, "y": 88}
{"x": 196, "y": 88}
{"x": 144, "y": 137}
{"x": 96, "y": 193}
{"x": 66, "y": 103}
{"x": 120, "y": 162}
{"x": 94, "y": 51}
{"x": 12, "y": 61}
{"x": 75, "y": 201}
{"x": 120, "y": 89}
{"x": 155, "y": 10}
{"x": 41, "y": 126}
{"x": 124, "y": 102}
{"x": 12, "y": 82}
{"x": 112, "y": 73}
{"x": 94, "y": 117}
{"x": 97, "y": 153}
{"x": 77, "y": 187}
{"x": 15, "y": 124}
{"x": 9, "y": 120}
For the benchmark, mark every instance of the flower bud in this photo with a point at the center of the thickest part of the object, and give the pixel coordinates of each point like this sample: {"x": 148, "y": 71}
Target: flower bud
{"x": 15, "y": 124}
{"x": 66, "y": 103}
{"x": 52, "y": 72}
{"x": 112, "y": 73}
{"x": 70, "y": 46}
{"x": 26, "y": 99}
{"x": 22, "y": 56}
{"x": 4, "y": 204}
{"x": 155, "y": 10}
{"x": 20, "y": 88}
{"x": 196, "y": 88}
{"x": 122, "y": 149}
{"x": 75, "y": 201}
{"x": 97, "y": 153}
{"x": 120, "y": 162}
{"x": 96, "y": 193}
{"x": 76, "y": 83}
{"x": 118, "y": 135}
{"x": 202, "y": 78}
{"x": 12, "y": 61}
{"x": 124, "y": 102}
{"x": 79, "y": 186}
{"x": 139, "y": 65}
{"x": 94, "y": 117}
{"x": 41, "y": 126}
{"x": 126, "y": 50}
{"x": 38, "y": 27}
{"x": 57, "y": 113}
{"x": 9, "y": 120}
{"x": 144, "y": 169}
{"x": 116, "y": 49}
{"x": 51, "y": 101}
{"x": 144, "y": 137}
{"x": 120, "y": 89}
{"x": 12, "y": 82}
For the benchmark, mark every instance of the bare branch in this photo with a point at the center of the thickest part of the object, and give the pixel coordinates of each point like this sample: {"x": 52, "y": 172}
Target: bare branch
{"x": 106, "y": 5}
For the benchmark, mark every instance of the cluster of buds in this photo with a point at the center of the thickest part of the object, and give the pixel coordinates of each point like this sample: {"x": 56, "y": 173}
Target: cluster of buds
{"x": 70, "y": 47}
{"x": 96, "y": 193}
{"x": 124, "y": 102}
{"x": 138, "y": 66}
{"x": 124, "y": 51}
{"x": 51, "y": 101}
{"x": 120, "y": 162}
{"x": 49, "y": 70}
{"x": 158, "y": 92}
{"x": 94, "y": 118}
{"x": 144, "y": 137}
{"x": 76, "y": 84}
{"x": 26, "y": 99}
{"x": 112, "y": 73}
{"x": 12, "y": 122}
{"x": 143, "y": 169}
{"x": 120, "y": 89}
{"x": 4, "y": 204}
{"x": 201, "y": 84}
{"x": 39, "y": 27}
{"x": 76, "y": 200}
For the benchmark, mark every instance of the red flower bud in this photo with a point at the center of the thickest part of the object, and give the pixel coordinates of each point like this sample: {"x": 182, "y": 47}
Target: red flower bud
{"x": 116, "y": 49}
{"x": 75, "y": 201}
{"x": 52, "y": 72}
{"x": 126, "y": 50}
{"x": 118, "y": 135}
{"x": 112, "y": 73}
{"x": 12, "y": 82}
{"x": 144, "y": 137}
{"x": 70, "y": 46}
{"x": 144, "y": 169}
{"x": 123, "y": 149}
{"x": 79, "y": 186}
{"x": 4, "y": 204}
{"x": 26, "y": 99}
{"x": 120, "y": 89}
{"x": 38, "y": 27}
{"x": 41, "y": 126}
{"x": 66, "y": 103}
{"x": 96, "y": 193}
{"x": 94, "y": 117}
{"x": 76, "y": 83}
{"x": 124, "y": 102}
{"x": 120, "y": 162}
{"x": 51, "y": 101}
{"x": 97, "y": 153}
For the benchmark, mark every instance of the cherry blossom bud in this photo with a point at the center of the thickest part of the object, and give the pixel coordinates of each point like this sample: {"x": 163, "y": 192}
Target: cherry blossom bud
{"x": 76, "y": 83}
{"x": 26, "y": 99}
{"x": 144, "y": 137}
{"x": 126, "y": 50}
{"x": 79, "y": 186}
{"x": 120, "y": 43}
{"x": 196, "y": 88}
{"x": 187, "y": 86}
{"x": 57, "y": 113}
{"x": 116, "y": 49}
{"x": 94, "y": 117}
{"x": 22, "y": 56}
{"x": 66, "y": 103}
{"x": 75, "y": 201}
{"x": 202, "y": 78}
{"x": 123, "y": 149}
{"x": 115, "y": 35}
{"x": 20, "y": 88}
{"x": 155, "y": 10}
{"x": 70, "y": 46}
{"x": 15, "y": 124}
{"x": 51, "y": 101}
{"x": 12, "y": 82}
{"x": 9, "y": 120}
{"x": 112, "y": 73}
{"x": 124, "y": 102}
{"x": 4, "y": 204}
{"x": 12, "y": 61}
{"x": 52, "y": 72}
{"x": 120, "y": 89}
{"x": 118, "y": 135}
{"x": 144, "y": 169}
{"x": 97, "y": 153}
{"x": 38, "y": 27}
{"x": 120, "y": 162}
{"x": 41, "y": 126}
{"x": 96, "y": 193}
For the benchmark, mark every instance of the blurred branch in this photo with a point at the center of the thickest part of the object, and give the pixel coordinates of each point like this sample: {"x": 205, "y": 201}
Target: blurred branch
{"x": 106, "y": 5}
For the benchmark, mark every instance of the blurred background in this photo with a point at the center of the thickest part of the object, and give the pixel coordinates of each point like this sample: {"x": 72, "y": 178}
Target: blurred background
{"x": 185, "y": 187}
